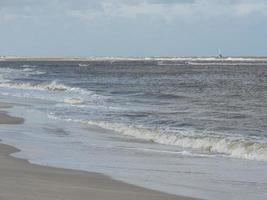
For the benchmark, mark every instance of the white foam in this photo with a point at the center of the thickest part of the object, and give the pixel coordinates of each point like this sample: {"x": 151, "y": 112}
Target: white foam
{"x": 28, "y": 86}
{"x": 31, "y": 71}
{"x": 52, "y": 91}
{"x": 83, "y": 65}
{"x": 28, "y": 70}
{"x": 73, "y": 101}
{"x": 53, "y": 86}
{"x": 28, "y": 66}
{"x": 234, "y": 147}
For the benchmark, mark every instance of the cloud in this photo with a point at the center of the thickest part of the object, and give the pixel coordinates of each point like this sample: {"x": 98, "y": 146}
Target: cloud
{"x": 170, "y": 1}
{"x": 170, "y": 9}
{"x": 132, "y": 27}
{"x": 165, "y": 9}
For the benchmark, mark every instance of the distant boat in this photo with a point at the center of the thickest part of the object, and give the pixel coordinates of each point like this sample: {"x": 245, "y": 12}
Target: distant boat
{"x": 220, "y": 54}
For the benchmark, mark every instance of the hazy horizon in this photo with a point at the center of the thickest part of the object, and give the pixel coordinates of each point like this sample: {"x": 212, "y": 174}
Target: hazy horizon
{"x": 121, "y": 56}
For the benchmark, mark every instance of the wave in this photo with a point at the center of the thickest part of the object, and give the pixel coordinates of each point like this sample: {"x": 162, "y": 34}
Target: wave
{"x": 31, "y": 71}
{"x": 28, "y": 66}
{"x": 226, "y": 63}
{"x": 210, "y": 58}
{"x": 8, "y": 74}
{"x": 28, "y": 86}
{"x": 73, "y": 101}
{"x": 52, "y": 86}
{"x": 70, "y": 95}
{"x": 28, "y": 70}
{"x": 83, "y": 65}
{"x": 242, "y": 148}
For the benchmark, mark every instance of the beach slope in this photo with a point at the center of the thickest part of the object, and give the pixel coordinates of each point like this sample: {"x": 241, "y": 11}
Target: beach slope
{"x": 21, "y": 180}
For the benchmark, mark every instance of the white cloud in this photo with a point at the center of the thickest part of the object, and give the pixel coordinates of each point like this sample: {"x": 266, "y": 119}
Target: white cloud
{"x": 174, "y": 9}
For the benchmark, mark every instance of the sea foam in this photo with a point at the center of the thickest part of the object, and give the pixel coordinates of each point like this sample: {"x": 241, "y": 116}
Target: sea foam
{"x": 53, "y": 86}
{"x": 58, "y": 92}
{"x": 28, "y": 86}
{"x": 243, "y": 148}
{"x": 73, "y": 101}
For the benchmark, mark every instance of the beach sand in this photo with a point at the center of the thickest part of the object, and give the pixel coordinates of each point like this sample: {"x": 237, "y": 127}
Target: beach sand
{"x": 7, "y": 119}
{"x": 21, "y": 180}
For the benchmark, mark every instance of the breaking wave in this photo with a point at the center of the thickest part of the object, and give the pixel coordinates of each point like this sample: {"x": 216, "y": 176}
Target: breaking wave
{"x": 242, "y": 148}
{"x": 28, "y": 66}
{"x": 70, "y": 95}
{"x": 226, "y": 64}
{"x": 52, "y": 86}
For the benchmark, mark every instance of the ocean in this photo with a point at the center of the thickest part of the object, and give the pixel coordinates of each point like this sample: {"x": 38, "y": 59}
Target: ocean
{"x": 188, "y": 126}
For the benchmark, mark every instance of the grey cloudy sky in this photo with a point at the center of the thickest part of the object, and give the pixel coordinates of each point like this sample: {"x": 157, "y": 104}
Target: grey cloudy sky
{"x": 133, "y": 27}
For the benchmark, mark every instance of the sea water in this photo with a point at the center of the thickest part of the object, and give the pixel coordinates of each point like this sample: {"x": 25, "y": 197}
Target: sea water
{"x": 188, "y": 126}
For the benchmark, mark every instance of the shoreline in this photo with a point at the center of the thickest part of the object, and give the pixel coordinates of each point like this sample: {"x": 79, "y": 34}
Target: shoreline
{"x": 19, "y": 179}
{"x": 5, "y": 118}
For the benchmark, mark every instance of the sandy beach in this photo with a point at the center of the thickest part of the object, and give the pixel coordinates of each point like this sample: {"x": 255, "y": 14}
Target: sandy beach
{"x": 21, "y": 180}
{"x": 7, "y": 119}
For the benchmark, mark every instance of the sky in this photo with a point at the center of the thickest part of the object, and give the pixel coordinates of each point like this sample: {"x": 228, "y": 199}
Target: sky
{"x": 133, "y": 27}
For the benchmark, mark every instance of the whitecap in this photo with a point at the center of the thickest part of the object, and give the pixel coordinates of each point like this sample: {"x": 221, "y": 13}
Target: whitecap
{"x": 243, "y": 148}
{"x": 73, "y": 101}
